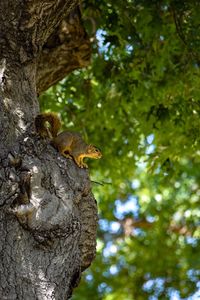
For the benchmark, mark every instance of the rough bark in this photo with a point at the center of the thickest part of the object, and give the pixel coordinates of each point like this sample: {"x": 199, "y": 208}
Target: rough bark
{"x": 48, "y": 214}
{"x": 68, "y": 43}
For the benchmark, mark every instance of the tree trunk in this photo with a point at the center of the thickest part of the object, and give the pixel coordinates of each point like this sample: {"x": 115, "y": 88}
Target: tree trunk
{"x": 48, "y": 215}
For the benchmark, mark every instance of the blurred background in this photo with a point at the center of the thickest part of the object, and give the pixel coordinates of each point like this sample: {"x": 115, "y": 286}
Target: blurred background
{"x": 139, "y": 102}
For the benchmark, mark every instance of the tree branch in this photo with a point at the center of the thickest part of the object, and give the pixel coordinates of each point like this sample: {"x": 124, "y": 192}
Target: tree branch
{"x": 67, "y": 49}
{"x": 129, "y": 224}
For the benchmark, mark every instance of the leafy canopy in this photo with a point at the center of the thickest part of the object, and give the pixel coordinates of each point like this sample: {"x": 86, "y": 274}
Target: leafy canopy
{"x": 139, "y": 101}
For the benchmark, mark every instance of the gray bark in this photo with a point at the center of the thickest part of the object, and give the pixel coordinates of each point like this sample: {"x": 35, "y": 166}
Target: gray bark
{"x": 68, "y": 43}
{"x": 48, "y": 215}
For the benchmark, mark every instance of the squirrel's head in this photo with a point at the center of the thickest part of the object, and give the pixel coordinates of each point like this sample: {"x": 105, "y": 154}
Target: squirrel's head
{"x": 93, "y": 152}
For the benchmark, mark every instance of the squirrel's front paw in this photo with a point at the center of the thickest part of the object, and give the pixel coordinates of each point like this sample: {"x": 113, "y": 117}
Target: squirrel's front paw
{"x": 83, "y": 165}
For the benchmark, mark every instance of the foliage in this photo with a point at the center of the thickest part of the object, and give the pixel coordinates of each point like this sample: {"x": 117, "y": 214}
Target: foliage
{"x": 139, "y": 101}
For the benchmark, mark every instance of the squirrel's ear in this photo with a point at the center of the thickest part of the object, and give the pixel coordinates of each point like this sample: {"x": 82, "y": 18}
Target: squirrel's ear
{"x": 90, "y": 148}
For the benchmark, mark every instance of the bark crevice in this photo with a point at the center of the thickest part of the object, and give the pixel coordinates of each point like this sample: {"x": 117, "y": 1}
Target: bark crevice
{"x": 55, "y": 229}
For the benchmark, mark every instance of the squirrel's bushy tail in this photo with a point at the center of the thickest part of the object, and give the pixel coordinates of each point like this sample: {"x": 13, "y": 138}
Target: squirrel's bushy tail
{"x": 43, "y": 128}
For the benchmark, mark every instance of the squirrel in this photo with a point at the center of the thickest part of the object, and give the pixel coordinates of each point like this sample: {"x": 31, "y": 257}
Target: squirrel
{"x": 69, "y": 144}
